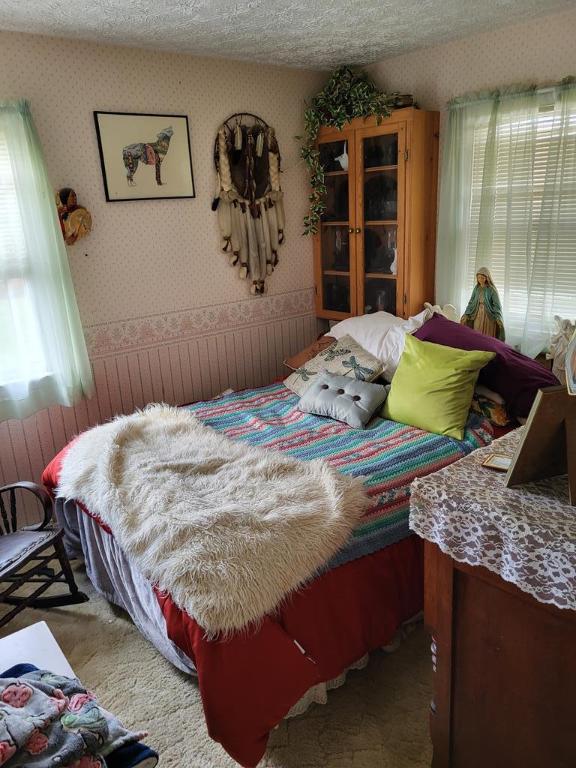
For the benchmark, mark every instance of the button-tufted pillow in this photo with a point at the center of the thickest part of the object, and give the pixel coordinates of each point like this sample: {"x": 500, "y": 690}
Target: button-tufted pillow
{"x": 343, "y": 399}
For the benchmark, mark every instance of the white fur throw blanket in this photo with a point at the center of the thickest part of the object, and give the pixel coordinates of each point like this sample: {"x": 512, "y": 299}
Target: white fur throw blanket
{"x": 226, "y": 529}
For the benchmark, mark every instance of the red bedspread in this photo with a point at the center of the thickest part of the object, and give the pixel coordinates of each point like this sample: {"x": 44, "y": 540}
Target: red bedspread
{"x": 250, "y": 681}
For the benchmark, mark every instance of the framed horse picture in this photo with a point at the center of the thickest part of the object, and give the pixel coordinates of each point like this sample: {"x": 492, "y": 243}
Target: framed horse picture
{"x": 144, "y": 157}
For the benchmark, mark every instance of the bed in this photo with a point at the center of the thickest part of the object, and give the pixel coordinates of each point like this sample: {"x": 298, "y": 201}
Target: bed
{"x": 250, "y": 681}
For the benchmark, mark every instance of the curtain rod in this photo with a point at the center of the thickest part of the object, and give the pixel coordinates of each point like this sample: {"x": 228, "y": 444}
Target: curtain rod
{"x": 511, "y": 91}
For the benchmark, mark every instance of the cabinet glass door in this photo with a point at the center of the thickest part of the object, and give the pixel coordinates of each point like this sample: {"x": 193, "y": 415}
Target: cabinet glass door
{"x": 335, "y": 232}
{"x": 380, "y": 158}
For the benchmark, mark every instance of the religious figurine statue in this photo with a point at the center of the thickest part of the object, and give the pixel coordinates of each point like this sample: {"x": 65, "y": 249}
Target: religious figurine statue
{"x": 484, "y": 311}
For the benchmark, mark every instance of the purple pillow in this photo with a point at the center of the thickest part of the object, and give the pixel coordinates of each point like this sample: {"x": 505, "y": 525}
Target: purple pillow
{"x": 513, "y": 375}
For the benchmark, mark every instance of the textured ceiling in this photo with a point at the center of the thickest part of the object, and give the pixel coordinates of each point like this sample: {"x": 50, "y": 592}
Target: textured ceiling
{"x": 312, "y": 33}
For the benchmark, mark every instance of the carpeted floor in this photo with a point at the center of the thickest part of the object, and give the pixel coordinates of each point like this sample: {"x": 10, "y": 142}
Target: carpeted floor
{"x": 379, "y": 719}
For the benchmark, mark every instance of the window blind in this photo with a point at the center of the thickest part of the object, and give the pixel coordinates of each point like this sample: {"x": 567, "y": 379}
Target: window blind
{"x": 524, "y": 165}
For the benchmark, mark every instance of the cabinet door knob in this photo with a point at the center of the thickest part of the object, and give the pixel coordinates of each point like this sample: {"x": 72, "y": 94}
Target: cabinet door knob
{"x": 350, "y": 230}
{"x": 358, "y": 230}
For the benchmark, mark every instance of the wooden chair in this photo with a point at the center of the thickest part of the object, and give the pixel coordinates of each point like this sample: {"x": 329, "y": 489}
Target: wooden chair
{"x": 26, "y": 554}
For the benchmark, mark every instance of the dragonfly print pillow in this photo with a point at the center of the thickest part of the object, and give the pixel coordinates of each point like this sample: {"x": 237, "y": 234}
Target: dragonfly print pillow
{"x": 345, "y": 358}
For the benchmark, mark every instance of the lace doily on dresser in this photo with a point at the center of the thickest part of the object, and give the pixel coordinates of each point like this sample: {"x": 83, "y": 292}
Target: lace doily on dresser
{"x": 526, "y": 534}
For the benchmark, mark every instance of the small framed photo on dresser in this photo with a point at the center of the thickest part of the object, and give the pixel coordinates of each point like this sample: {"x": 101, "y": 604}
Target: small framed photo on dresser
{"x": 144, "y": 157}
{"x": 497, "y": 461}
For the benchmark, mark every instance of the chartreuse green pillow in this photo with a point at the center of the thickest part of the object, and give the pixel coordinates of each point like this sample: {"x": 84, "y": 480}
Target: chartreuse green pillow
{"x": 433, "y": 386}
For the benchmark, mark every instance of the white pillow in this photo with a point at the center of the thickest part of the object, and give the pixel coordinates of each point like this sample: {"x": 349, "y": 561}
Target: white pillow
{"x": 392, "y": 346}
{"x": 415, "y": 322}
{"x": 381, "y": 334}
{"x": 391, "y": 351}
{"x": 370, "y": 331}
{"x": 367, "y": 330}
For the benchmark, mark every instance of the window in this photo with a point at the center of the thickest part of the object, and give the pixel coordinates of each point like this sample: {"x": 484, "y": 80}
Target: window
{"x": 43, "y": 358}
{"x": 21, "y": 349}
{"x": 516, "y": 179}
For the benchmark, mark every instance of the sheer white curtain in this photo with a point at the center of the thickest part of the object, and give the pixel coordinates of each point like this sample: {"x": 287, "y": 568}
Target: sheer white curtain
{"x": 43, "y": 357}
{"x": 508, "y": 202}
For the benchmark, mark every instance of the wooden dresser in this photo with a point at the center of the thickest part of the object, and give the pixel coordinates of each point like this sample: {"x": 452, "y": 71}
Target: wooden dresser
{"x": 504, "y": 660}
{"x": 504, "y": 671}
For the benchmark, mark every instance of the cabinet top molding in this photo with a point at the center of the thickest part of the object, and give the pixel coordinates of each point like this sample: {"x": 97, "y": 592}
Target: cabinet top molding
{"x": 407, "y": 114}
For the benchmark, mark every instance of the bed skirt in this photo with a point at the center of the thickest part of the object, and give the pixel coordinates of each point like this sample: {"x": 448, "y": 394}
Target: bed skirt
{"x": 339, "y": 618}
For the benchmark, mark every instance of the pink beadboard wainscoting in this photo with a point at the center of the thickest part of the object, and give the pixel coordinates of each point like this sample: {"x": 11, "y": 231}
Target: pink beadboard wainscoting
{"x": 174, "y": 358}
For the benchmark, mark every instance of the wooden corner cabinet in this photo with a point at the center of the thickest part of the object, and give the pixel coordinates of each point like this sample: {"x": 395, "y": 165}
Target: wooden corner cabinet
{"x": 376, "y": 241}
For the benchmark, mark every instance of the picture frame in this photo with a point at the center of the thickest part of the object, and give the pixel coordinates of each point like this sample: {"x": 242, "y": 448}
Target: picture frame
{"x": 497, "y": 461}
{"x": 571, "y": 366}
{"x": 144, "y": 156}
{"x": 547, "y": 447}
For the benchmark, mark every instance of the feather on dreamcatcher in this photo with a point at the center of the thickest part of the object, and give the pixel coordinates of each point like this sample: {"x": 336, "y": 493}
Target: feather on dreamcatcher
{"x": 248, "y": 196}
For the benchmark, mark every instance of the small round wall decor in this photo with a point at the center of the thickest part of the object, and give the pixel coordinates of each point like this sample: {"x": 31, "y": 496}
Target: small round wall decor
{"x": 75, "y": 220}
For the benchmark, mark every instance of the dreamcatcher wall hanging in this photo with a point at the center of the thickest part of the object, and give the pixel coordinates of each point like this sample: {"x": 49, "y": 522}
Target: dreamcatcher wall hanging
{"x": 248, "y": 197}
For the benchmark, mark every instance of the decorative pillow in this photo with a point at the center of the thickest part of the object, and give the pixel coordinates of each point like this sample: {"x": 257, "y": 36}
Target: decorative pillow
{"x": 513, "y": 375}
{"x": 345, "y": 357}
{"x": 433, "y": 387}
{"x": 489, "y": 394}
{"x": 494, "y": 412}
{"x": 301, "y": 358}
{"x": 343, "y": 399}
{"x": 372, "y": 330}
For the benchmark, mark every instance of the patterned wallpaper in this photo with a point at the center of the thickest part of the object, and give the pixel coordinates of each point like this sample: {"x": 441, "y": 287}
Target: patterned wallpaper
{"x": 151, "y": 257}
{"x": 165, "y": 317}
{"x": 146, "y": 259}
{"x": 539, "y": 50}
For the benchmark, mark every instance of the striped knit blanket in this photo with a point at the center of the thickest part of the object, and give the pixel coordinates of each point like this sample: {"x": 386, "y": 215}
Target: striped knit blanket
{"x": 387, "y": 454}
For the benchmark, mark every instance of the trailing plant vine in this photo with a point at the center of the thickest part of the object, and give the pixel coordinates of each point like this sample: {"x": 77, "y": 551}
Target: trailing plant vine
{"x": 347, "y": 94}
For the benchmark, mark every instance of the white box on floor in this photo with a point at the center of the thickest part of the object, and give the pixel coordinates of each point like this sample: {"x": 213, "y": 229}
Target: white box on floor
{"x": 34, "y": 645}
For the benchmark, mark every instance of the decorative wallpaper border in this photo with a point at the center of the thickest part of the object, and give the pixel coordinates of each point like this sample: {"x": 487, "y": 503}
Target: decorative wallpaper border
{"x": 138, "y": 333}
